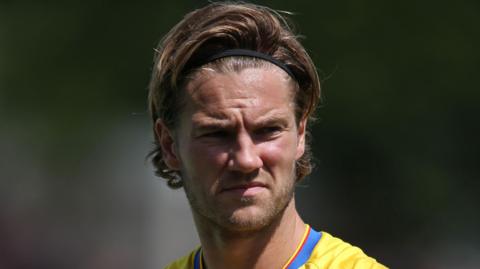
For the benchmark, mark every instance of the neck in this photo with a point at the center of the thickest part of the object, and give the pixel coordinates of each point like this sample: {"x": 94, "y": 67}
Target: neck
{"x": 268, "y": 247}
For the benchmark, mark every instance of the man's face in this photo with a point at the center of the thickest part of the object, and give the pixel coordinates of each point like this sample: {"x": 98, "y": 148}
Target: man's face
{"x": 236, "y": 145}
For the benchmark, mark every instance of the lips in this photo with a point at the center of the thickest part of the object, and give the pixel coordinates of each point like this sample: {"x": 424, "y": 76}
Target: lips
{"x": 245, "y": 189}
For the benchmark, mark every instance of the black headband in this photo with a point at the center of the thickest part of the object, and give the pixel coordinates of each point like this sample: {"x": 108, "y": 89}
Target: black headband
{"x": 248, "y": 53}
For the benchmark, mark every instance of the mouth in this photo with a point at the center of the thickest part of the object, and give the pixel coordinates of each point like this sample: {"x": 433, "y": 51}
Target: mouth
{"x": 247, "y": 189}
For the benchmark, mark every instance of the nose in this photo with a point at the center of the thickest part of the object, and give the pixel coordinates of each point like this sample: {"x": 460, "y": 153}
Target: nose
{"x": 244, "y": 156}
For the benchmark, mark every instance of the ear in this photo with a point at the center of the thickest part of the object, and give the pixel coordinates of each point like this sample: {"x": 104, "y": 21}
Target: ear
{"x": 301, "y": 132}
{"x": 167, "y": 144}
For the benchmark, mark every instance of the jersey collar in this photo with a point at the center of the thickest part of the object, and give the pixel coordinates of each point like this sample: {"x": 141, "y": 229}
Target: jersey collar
{"x": 304, "y": 249}
{"x": 299, "y": 257}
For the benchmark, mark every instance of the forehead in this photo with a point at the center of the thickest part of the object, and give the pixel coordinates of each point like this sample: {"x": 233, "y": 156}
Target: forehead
{"x": 250, "y": 88}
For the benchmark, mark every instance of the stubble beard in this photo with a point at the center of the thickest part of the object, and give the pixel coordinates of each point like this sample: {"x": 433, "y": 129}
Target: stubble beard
{"x": 237, "y": 220}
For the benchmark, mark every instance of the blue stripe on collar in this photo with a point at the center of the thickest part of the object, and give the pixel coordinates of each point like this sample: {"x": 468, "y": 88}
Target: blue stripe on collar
{"x": 196, "y": 259}
{"x": 307, "y": 248}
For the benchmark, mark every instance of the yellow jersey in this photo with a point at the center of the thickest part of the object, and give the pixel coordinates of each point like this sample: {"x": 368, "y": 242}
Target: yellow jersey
{"x": 317, "y": 250}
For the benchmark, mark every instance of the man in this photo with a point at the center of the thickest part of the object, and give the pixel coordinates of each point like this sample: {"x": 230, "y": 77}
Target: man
{"x": 231, "y": 94}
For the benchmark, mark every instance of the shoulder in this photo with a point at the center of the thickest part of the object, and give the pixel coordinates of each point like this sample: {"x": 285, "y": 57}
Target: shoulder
{"x": 186, "y": 262}
{"x": 333, "y": 253}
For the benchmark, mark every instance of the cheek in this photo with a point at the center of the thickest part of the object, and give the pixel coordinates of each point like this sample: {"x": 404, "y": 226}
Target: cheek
{"x": 201, "y": 167}
{"x": 202, "y": 159}
{"x": 280, "y": 153}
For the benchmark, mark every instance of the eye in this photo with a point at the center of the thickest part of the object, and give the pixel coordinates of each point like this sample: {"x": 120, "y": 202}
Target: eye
{"x": 215, "y": 134}
{"x": 268, "y": 131}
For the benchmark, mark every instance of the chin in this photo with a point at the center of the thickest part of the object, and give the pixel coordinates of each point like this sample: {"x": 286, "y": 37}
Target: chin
{"x": 249, "y": 219}
{"x": 245, "y": 225}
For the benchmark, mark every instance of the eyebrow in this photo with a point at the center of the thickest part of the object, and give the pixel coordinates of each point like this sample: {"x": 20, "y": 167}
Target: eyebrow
{"x": 272, "y": 117}
{"x": 220, "y": 122}
{"x": 211, "y": 122}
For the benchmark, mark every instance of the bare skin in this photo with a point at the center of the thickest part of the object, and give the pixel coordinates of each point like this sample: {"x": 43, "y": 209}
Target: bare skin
{"x": 268, "y": 248}
{"x": 235, "y": 146}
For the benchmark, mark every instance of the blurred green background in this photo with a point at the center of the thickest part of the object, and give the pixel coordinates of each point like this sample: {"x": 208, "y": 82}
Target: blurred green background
{"x": 396, "y": 146}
